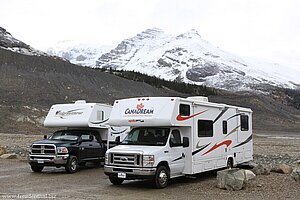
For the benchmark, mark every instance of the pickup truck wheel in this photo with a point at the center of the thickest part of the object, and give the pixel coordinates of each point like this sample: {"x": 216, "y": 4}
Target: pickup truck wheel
{"x": 37, "y": 168}
{"x": 161, "y": 177}
{"x": 72, "y": 164}
{"x": 115, "y": 180}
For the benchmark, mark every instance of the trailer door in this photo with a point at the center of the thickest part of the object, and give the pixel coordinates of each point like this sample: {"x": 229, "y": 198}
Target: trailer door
{"x": 176, "y": 153}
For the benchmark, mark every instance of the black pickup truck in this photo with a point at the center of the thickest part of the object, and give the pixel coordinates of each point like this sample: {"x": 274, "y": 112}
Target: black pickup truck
{"x": 67, "y": 148}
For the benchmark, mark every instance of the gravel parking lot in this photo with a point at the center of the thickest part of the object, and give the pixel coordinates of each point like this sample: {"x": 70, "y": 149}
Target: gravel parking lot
{"x": 17, "y": 181}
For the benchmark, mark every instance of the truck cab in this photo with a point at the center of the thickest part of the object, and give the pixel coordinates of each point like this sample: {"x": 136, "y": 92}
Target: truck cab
{"x": 147, "y": 153}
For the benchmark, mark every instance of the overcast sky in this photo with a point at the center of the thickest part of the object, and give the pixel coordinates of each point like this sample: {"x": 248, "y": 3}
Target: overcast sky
{"x": 267, "y": 29}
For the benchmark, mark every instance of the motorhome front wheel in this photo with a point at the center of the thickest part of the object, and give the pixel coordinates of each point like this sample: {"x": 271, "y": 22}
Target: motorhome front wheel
{"x": 161, "y": 177}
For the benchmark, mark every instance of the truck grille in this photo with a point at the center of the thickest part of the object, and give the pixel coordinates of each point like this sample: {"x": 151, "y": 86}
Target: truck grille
{"x": 133, "y": 160}
{"x": 43, "y": 149}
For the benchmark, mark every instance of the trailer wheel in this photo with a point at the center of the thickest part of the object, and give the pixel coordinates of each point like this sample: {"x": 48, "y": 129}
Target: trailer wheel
{"x": 229, "y": 163}
{"x": 161, "y": 177}
{"x": 37, "y": 168}
{"x": 72, "y": 164}
{"x": 115, "y": 180}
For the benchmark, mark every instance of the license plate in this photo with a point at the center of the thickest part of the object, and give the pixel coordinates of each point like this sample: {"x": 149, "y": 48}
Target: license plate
{"x": 40, "y": 161}
{"x": 121, "y": 175}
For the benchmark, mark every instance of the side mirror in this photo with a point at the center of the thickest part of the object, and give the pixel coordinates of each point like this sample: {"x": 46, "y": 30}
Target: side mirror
{"x": 185, "y": 142}
{"x": 118, "y": 140}
{"x": 45, "y": 137}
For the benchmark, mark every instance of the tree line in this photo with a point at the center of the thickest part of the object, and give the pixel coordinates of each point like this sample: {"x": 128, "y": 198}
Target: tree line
{"x": 178, "y": 86}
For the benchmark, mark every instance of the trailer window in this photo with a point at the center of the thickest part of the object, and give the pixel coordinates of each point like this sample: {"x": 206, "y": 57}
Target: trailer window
{"x": 184, "y": 110}
{"x": 205, "y": 128}
{"x": 244, "y": 123}
{"x": 224, "y": 127}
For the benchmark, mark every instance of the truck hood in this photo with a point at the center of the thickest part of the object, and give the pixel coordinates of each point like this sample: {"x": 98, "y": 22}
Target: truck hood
{"x": 146, "y": 150}
{"x": 55, "y": 142}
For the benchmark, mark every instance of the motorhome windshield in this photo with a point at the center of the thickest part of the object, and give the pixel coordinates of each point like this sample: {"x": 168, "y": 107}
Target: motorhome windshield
{"x": 66, "y": 135}
{"x": 147, "y": 136}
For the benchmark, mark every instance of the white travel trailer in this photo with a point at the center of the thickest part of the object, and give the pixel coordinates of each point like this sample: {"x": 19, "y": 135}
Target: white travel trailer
{"x": 82, "y": 115}
{"x": 172, "y": 136}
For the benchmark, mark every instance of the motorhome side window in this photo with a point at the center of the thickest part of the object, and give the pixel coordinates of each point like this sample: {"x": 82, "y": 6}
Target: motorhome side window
{"x": 205, "y": 128}
{"x": 184, "y": 110}
{"x": 244, "y": 123}
{"x": 224, "y": 127}
{"x": 175, "y": 138}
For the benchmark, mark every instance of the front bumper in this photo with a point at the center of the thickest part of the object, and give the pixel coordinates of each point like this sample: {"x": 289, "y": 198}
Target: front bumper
{"x": 48, "y": 160}
{"x": 131, "y": 173}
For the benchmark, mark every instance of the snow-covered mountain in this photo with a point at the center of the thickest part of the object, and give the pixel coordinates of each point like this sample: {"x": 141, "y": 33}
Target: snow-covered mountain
{"x": 84, "y": 54}
{"x": 7, "y": 41}
{"x": 189, "y": 58}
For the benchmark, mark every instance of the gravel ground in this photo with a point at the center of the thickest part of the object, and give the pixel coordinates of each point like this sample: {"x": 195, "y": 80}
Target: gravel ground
{"x": 16, "y": 178}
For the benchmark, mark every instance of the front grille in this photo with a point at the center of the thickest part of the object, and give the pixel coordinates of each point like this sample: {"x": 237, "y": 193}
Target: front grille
{"x": 45, "y": 149}
{"x": 125, "y": 159}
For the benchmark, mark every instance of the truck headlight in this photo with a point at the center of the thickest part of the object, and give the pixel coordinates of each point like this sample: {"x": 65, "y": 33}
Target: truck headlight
{"x": 106, "y": 159}
{"x": 148, "y": 160}
{"x": 62, "y": 150}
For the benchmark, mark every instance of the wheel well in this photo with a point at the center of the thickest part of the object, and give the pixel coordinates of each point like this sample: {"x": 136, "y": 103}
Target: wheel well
{"x": 164, "y": 163}
{"x": 230, "y": 159}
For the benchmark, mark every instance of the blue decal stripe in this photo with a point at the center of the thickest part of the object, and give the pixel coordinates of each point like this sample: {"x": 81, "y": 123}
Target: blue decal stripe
{"x": 201, "y": 148}
{"x": 246, "y": 141}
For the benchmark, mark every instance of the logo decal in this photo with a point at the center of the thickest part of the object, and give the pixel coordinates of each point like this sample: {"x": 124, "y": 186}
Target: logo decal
{"x": 124, "y": 159}
{"x": 135, "y": 120}
{"x": 139, "y": 110}
{"x": 182, "y": 118}
{"x": 140, "y": 106}
{"x": 64, "y": 114}
{"x": 225, "y": 142}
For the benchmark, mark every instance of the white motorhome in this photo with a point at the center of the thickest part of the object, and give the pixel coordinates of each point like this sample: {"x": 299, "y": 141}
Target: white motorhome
{"x": 172, "y": 136}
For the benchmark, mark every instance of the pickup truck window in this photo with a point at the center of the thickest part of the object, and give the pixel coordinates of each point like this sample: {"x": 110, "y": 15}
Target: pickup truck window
{"x": 147, "y": 136}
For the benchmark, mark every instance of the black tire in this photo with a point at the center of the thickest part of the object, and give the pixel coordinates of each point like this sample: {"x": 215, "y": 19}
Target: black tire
{"x": 37, "y": 168}
{"x": 72, "y": 164}
{"x": 161, "y": 177}
{"x": 229, "y": 163}
{"x": 115, "y": 180}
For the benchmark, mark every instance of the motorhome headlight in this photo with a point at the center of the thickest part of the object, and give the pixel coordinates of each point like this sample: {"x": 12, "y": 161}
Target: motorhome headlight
{"x": 106, "y": 158}
{"x": 62, "y": 150}
{"x": 148, "y": 160}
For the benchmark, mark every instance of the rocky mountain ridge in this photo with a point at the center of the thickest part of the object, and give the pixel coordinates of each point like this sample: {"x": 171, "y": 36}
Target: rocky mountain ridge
{"x": 189, "y": 58}
{"x": 84, "y": 54}
{"x": 186, "y": 58}
{"x": 7, "y": 41}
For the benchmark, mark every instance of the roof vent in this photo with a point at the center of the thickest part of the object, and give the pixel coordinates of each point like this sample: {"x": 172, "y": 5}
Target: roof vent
{"x": 198, "y": 98}
{"x": 80, "y": 102}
